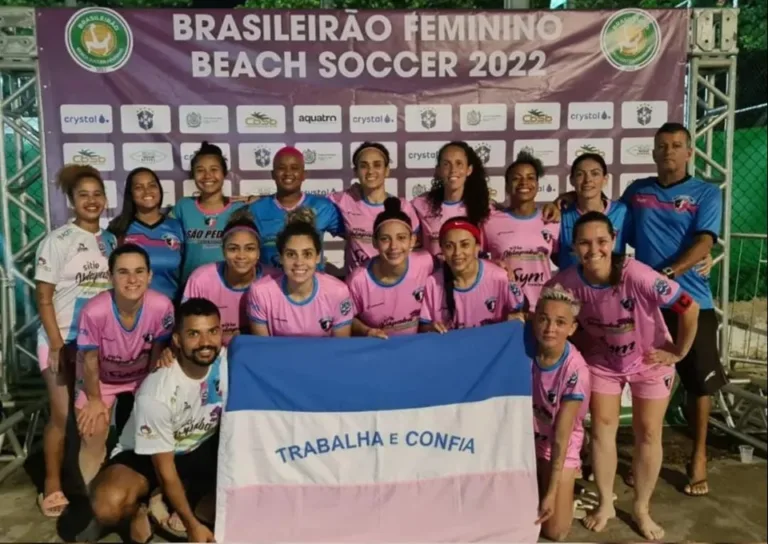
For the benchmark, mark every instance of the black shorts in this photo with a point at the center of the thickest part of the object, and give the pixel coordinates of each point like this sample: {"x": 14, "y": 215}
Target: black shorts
{"x": 701, "y": 371}
{"x": 196, "y": 469}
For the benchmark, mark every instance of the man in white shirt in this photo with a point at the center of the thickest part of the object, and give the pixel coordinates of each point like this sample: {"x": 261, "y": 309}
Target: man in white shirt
{"x": 171, "y": 435}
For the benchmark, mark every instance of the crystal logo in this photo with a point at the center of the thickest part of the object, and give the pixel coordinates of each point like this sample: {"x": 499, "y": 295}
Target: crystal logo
{"x": 536, "y": 117}
{"x": 428, "y": 118}
{"x": 370, "y": 119}
{"x": 145, "y": 118}
{"x": 630, "y": 40}
{"x": 644, "y": 114}
{"x": 262, "y": 156}
{"x": 99, "y": 40}
{"x": 89, "y": 157}
{"x": 259, "y": 119}
{"x": 87, "y": 119}
{"x": 591, "y": 116}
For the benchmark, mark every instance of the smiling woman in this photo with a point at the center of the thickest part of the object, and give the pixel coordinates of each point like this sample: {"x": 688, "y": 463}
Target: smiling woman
{"x": 141, "y": 222}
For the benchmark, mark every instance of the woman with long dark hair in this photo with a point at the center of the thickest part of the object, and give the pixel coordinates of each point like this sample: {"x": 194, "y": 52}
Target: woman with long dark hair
{"x": 460, "y": 188}
{"x": 142, "y": 222}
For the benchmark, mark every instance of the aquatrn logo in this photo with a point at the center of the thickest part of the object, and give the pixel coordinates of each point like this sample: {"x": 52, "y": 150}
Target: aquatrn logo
{"x": 99, "y": 40}
{"x": 319, "y": 118}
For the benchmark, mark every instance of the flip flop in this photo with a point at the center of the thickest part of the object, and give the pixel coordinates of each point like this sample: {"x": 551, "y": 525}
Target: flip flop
{"x": 689, "y": 487}
{"x": 53, "y": 505}
{"x": 174, "y": 526}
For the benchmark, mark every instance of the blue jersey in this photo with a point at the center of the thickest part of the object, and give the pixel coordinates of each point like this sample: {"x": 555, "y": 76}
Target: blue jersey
{"x": 668, "y": 220}
{"x": 164, "y": 242}
{"x": 270, "y": 220}
{"x": 620, "y": 217}
{"x": 202, "y": 232}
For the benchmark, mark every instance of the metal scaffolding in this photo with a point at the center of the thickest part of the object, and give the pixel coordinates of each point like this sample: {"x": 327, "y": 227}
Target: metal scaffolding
{"x": 24, "y": 201}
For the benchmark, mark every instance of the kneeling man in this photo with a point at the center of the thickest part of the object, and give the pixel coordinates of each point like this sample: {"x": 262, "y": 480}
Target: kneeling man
{"x": 172, "y": 434}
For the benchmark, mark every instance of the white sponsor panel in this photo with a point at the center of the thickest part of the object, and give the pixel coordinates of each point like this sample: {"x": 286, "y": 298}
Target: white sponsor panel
{"x": 650, "y": 114}
{"x": 547, "y": 150}
{"x": 579, "y": 146}
{"x": 496, "y": 187}
{"x": 390, "y": 186}
{"x": 145, "y": 119}
{"x": 493, "y": 153}
{"x": 483, "y": 117}
{"x": 259, "y": 187}
{"x": 317, "y": 119}
{"x": 422, "y": 154}
{"x": 372, "y": 119}
{"x": 429, "y": 118}
{"x": 155, "y": 155}
{"x": 204, "y": 119}
{"x": 391, "y": 147}
{"x": 99, "y": 155}
{"x": 86, "y": 119}
{"x": 323, "y": 187}
{"x": 322, "y": 155}
{"x": 625, "y": 180}
{"x": 537, "y": 116}
{"x": 637, "y": 150}
{"x": 260, "y": 119}
{"x": 169, "y": 192}
{"x": 549, "y": 188}
{"x": 257, "y": 157}
{"x": 190, "y": 189}
{"x": 189, "y": 149}
{"x": 334, "y": 257}
{"x": 590, "y": 115}
{"x": 416, "y": 187}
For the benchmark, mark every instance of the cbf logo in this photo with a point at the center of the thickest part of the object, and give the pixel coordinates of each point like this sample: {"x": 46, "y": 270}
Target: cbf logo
{"x": 262, "y": 156}
{"x": 644, "y": 114}
{"x": 428, "y": 118}
{"x": 146, "y": 118}
{"x": 99, "y": 40}
{"x": 630, "y": 40}
{"x": 483, "y": 152}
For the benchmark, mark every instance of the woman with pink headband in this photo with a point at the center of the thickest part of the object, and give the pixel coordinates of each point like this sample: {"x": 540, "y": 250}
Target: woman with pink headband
{"x": 271, "y": 212}
{"x": 389, "y": 290}
{"x": 468, "y": 291}
{"x": 361, "y": 204}
{"x": 226, "y": 283}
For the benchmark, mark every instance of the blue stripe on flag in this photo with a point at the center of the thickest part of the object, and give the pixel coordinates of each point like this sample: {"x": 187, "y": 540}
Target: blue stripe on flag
{"x": 366, "y": 374}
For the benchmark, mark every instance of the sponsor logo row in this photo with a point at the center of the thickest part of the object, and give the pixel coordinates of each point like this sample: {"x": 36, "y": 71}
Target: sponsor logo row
{"x": 330, "y": 155}
{"x": 363, "y": 119}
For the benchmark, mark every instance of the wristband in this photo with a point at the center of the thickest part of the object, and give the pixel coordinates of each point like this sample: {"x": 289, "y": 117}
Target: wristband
{"x": 668, "y": 272}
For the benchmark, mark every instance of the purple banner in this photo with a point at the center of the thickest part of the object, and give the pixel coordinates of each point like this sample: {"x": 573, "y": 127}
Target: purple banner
{"x": 122, "y": 89}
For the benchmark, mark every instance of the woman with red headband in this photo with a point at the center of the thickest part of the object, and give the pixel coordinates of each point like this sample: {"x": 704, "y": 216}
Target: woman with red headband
{"x": 468, "y": 291}
{"x": 271, "y": 212}
{"x": 460, "y": 188}
{"x": 361, "y": 204}
{"x": 388, "y": 292}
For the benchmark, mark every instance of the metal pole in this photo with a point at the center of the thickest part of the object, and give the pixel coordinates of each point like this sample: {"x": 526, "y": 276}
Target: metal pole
{"x": 70, "y": 3}
{"x": 517, "y": 4}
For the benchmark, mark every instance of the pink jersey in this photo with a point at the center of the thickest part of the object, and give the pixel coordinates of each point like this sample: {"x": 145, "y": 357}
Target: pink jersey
{"x": 622, "y": 323}
{"x": 359, "y": 215}
{"x": 568, "y": 379}
{"x": 432, "y": 221}
{"x": 123, "y": 353}
{"x": 208, "y": 282}
{"x": 392, "y": 308}
{"x": 525, "y": 245}
{"x": 489, "y": 300}
{"x": 328, "y": 308}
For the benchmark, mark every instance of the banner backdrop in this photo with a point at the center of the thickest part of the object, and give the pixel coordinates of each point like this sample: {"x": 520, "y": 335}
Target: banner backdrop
{"x": 406, "y": 443}
{"x": 145, "y": 87}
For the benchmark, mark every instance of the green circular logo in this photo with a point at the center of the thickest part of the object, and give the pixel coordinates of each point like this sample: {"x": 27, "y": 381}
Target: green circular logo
{"x": 99, "y": 40}
{"x": 630, "y": 40}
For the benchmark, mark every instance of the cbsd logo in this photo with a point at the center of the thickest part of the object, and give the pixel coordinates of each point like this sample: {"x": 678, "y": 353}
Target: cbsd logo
{"x": 99, "y": 40}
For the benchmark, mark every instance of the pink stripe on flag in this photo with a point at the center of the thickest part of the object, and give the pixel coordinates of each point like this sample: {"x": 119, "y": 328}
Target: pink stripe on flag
{"x": 495, "y": 507}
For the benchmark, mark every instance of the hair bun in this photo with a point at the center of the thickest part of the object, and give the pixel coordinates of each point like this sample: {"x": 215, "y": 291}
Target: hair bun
{"x": 302, "y": 214}
{"x": 207, "y": 148}
{"x": 393, "y": 205}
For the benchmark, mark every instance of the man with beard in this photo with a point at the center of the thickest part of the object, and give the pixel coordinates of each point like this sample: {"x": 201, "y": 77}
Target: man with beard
{"x": 171, "y": 436}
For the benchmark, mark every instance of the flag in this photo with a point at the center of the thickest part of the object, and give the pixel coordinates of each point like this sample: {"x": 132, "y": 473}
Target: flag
{"x": 422, "y": 438}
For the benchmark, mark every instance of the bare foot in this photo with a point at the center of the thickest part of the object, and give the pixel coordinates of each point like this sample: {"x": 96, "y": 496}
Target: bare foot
{"x": 141, "y": 529}
{"x": 598, "y": 519}
{"x": 647, "y": 527}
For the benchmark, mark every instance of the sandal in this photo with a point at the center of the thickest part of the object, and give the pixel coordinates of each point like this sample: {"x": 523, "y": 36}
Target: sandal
{"x": 53, "y": 505}
{"x": 174, "y": 526}
{"x": 690, "y": 487}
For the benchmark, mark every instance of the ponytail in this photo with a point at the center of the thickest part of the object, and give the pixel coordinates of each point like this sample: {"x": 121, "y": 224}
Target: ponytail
{"x": 448, "y": 285}
{"x": 617, "y": 268}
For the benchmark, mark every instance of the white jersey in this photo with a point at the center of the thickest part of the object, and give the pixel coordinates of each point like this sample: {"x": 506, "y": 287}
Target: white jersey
{"x": 75, "y": 261}
{"x": 175, "y": 413}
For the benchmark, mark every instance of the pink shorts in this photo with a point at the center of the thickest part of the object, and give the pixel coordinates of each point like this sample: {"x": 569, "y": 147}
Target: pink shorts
{"x": 572, "y": 456}
{"x": 43, "y": 349}
{"x": 109, "y": 392}
{"x": 654, "y": 382}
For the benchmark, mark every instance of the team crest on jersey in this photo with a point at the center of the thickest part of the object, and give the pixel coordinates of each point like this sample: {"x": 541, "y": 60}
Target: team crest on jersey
{"x": 684, "y": 203}
{"x": 41, "y": 261}
{"x": 515, "y": 290}
{"x": 668, "y": 382}
{"x": 628, "y": 304}
{"x": 149, "y": 338}
{"x": 145, "y": 431}
{"x": 573, "y": 380}
{"x": 418, "y": 294}
{"x": 359, "y": 256}
{"x": 661, "y": 286}
{"x": 490, "y": 304}
{"x": 172, "y": 241}
{"x": 546, "y": 235}
{"x": 81, "y": 247}
{"x": 345, "y": 307}
{"x": 167, "y": 321}
{"x": 210, "y": 221}
{"x": 551, "y": 396}
{"x": 326, "y": 323}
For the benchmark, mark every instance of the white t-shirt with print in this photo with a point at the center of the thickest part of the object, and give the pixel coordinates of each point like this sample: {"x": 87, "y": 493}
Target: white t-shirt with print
{"x": 175, "y": 413}
{"x": 76, "y": 262}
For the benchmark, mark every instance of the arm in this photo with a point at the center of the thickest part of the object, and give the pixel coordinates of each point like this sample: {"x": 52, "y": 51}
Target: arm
{"x": 692, "y": 256}
{"x": 361, "y": 329}
{"x": 95, "y": 414}
{"x": 343, "y": 331}
{"x": 259, "y": 329}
